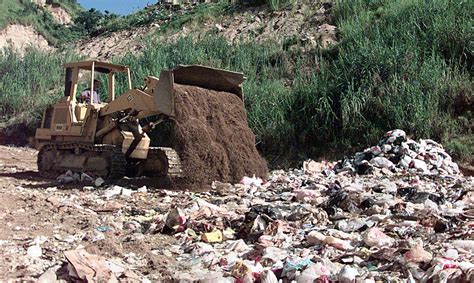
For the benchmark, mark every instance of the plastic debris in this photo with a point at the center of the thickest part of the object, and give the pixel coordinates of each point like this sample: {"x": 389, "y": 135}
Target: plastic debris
{"x": 418, "y": 254}
{"x": 99, "y": 182}
{"x": 175, "y": 219}
{"x": 251, "y": 181}
{"x": 396, "y": 152}
{"x": 213, "y": 237}
{"x": 34, "y": 251}
{"x": 464, "y": 246}
{"x": 142, "y": 189}
{"x": 85, "y": 266}
{"x": 86, "y": 178}
{"x": 378, "y": 216}
{"x": 268, "y": 276}
{"x": 49, "y": 276}
{"x": 374, "y": 237}
{"x": 347, "y": 274}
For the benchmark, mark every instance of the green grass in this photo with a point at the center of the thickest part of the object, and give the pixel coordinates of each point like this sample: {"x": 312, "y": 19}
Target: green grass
{"x": 398, "y": 64}
{"x": 9, "y": 9}
{"x": 95, "y": 22}
{"x": 71, "y": 6}
{"x": 461, "y": 148}
{"x": 30, "y": 84}
{"x": 27, "y": 13}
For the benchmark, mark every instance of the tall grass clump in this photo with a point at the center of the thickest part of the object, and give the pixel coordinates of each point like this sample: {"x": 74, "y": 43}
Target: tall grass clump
{"x": 278, "y": 4}
{"x": 30, "y": 83}
{"x": 273, "y": 4}
{"x": 399, "y": 64}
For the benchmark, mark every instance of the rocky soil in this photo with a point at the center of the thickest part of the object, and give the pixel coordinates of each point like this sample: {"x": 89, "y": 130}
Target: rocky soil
{"x": 321, "y": 222}
{"x": 309, "y": 26}
{"x": 60, "y": 15}
{"x": 20, "y": 37}
{"x": 106, "y": 46}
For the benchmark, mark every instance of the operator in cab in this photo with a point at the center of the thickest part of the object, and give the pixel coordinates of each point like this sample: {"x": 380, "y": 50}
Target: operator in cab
{"x": 87, "y": 94}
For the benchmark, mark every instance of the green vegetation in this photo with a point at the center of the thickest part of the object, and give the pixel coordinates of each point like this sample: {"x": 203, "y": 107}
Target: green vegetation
{"x": 28, "y": 13}
{"x": 71, "y": 6}
{"x": 399, "y": 64}
{"x": 93, "y": 22}
{"x": 274, "y": 4}
{"x": 462, "y": 148}
{"x": 278, "y": 4}
{"x": 30, "y": 84}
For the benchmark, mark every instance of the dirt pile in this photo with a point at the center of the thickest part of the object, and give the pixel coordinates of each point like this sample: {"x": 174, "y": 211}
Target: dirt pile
{"x": 212, "y": 137}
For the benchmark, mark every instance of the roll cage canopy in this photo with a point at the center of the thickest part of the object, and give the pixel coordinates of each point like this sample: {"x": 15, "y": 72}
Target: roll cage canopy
{"x": 72, "y": 75}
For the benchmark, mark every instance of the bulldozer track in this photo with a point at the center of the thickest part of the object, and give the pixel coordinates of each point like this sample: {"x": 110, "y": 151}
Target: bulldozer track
{"x": 115, "y": 157}
{"x": 174, "y": 162}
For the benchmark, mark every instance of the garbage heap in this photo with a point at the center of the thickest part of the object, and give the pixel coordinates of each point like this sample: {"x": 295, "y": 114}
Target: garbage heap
{"x": 301, "y": 225}
{"x": 395, "y": 152}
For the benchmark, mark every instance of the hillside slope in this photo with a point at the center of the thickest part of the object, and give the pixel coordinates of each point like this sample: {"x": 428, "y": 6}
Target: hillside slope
{"x": 311, "y": 24}
{"x": 40, "y": 24}
{"x": 319, "y": 75}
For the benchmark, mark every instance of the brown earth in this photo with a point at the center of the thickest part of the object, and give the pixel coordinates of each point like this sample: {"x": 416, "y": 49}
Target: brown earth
{"x": 311, "y": 24}
{"x": 212, "y": 137}
{"x": 106, "y": 46}
{"x": 20, "y": 37}
{"x": 67, "y": 217}
{"x": 60, "y": 15}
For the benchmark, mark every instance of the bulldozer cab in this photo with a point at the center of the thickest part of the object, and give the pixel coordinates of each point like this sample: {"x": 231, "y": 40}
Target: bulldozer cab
{"x": 93, "y": 67}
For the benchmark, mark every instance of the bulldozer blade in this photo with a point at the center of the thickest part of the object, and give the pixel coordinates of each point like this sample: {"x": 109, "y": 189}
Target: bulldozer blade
{"x": 210, "y": 78}
{"x": 195, "y": 75}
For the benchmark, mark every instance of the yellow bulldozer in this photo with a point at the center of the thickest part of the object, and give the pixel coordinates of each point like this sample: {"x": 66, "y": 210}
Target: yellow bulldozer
{"x": 106, "y": 138}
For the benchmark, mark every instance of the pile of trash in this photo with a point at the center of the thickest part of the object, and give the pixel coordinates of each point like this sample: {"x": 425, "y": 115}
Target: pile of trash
{"x": 307, "y": 227}
{"x": 302, "y": 225}
{"x": 396, "y": 153}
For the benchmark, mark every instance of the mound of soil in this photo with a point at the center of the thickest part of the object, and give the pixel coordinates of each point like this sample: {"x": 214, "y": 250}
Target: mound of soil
{"x": 212, "y": 137}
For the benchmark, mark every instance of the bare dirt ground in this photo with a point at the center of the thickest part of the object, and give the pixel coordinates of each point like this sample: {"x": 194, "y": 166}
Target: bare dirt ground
{"x": 106, "y": 46}
{"x": 37, "y": 211}
{"x": 312, "y": 26}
